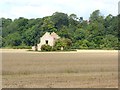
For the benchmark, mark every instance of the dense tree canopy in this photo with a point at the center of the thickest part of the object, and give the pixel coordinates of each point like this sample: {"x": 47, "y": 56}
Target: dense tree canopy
{"x": 98, "y": 32}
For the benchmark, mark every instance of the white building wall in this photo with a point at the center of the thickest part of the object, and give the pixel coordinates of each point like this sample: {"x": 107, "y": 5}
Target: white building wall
{"x": 49, "y": 38}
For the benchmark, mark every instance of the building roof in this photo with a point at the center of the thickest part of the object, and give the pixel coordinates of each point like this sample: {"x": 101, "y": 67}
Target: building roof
{"x": 53, "y": 35}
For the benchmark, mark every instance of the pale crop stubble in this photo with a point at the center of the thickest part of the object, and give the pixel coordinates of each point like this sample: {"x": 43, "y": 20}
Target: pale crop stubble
{"x": 83, "y": 69}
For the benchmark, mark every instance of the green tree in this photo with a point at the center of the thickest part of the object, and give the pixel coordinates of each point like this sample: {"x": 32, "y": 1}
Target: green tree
{"x": 63, "y": 42}
{"x": 60, "y": 19}
{"x": 96, "y": 16}
{"x": 73, "y": 16}
{"x": 13, "y": 39}
{"x": 109, "y": 42}
{"x": 93, "y": 35}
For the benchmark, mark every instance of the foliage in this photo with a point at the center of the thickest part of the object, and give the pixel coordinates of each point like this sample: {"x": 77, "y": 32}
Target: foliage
{"x": 63, "y": 42}
{"x": 98, "y": 33}
{"x": 13, "y": 39}
{"x": 59, "y": 19}
{"x": 46, "y": 48}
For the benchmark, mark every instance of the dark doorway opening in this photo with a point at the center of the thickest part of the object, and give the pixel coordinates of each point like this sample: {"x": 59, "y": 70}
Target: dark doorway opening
{"x": 46, "y": 41}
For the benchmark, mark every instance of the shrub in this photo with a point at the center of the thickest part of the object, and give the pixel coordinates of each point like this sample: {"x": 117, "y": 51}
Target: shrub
{"x": 54, "y": 49}
{"x": 63, "y": 42}
{"x": 21, "y": 47}
{"x": 46, "y": 48}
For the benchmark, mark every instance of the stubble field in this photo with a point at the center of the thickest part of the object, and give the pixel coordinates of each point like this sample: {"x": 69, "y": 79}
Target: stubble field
{"x": 92, "y": 69}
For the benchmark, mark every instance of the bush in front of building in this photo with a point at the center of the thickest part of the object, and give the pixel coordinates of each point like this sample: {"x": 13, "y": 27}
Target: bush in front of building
{"x": 46, "y": 48}
{"x": 63, "y": 44}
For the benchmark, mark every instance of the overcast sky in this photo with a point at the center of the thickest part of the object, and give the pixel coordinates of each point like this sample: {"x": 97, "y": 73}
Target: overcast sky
{"x": 41, "y": 8}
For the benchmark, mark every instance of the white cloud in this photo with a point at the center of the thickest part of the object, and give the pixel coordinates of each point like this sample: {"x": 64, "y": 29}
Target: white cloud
{"x": 40, "y": 8}
{"x": 29, "y": 11}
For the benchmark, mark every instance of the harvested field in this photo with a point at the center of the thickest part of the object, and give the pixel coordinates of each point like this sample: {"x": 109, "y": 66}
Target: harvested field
{"x": 92, "y": 69}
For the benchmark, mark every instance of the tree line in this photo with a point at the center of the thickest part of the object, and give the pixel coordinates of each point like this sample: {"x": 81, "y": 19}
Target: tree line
{"x": 98, "y": 32}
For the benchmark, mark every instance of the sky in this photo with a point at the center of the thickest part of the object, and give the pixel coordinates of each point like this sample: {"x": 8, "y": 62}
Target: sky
{"x": 41, "y": 8}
